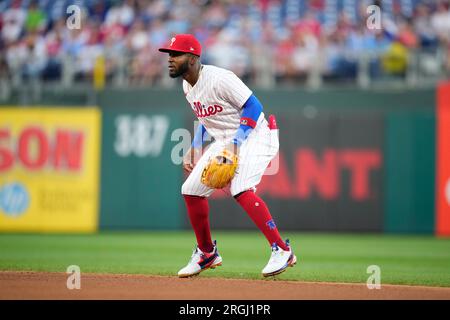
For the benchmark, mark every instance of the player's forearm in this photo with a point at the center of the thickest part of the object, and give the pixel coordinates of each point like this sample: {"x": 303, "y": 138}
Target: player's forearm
{"x": 199, "y": 137}
{"x": 252, "y": 109}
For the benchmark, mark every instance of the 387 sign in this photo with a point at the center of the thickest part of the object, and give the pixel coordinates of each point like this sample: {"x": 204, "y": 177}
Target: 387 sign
{"x": 140, "y": 135}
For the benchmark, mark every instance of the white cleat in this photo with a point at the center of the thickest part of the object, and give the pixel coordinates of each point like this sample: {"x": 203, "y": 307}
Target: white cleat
{"x": 201, "y": 261}
{"x": 279, "y": 260}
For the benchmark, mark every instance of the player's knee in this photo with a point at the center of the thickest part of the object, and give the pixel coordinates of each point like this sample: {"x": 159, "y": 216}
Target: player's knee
{"x": 238, "y": 192}
{"x": 190, "y": 189}
{"x": 185, "y": 189}
{"x": 238, "y": 195}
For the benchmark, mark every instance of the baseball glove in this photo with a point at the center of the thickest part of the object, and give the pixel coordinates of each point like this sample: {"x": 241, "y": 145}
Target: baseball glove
{"x": 220, "y": 170}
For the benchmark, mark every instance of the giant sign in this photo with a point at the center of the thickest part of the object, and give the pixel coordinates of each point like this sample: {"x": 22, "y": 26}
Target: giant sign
{"x": 330, "y": 175}
{"x": 443, "y": 161}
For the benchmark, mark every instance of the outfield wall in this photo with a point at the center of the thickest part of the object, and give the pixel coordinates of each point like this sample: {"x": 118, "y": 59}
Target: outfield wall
{"x": 350, "y": 160}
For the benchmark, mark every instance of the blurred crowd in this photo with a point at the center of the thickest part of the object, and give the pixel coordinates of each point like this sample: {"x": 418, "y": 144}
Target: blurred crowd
{"x": 285, "y": 38}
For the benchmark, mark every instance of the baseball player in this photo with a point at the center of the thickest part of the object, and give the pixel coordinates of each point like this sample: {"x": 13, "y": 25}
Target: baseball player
{"x": 229, "y": 112}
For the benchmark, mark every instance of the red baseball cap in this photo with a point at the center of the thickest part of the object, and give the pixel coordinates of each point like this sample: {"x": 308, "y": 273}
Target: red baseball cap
{"x": 184, "y": 43}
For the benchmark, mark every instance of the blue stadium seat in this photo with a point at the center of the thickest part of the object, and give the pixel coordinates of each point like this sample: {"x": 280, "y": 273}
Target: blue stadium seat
{"x": 331, "y": 13}
{"x": 407, "y": 8}
{"x": 4, "y": 5}
{"x": 292, "y": 10}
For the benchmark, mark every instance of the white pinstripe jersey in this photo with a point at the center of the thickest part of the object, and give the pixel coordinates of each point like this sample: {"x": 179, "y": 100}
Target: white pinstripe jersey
{"x": 217, "y": 99}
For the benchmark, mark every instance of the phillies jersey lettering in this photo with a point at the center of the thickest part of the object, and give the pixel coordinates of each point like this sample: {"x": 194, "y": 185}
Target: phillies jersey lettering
{"x": 217, "y": 99}
{"x": 202, "y": 111}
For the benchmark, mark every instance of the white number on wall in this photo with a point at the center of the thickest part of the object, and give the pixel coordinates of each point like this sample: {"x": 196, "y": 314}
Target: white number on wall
{"x": 141, "y": 136}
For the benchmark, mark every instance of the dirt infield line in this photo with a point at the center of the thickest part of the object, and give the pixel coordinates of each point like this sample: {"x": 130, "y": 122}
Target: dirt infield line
{"x": 42, "y": 286}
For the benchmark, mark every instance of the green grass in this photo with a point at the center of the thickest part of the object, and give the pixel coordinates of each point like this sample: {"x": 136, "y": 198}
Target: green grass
{"x": 414, "y": 260}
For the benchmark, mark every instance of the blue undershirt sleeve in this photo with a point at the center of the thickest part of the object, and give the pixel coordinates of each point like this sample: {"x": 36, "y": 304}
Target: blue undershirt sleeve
{"x": 199, "y": 136}
{"x": 252, "y": 109}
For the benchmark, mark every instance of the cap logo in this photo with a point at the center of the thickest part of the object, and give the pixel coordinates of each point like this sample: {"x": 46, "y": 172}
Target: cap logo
{"x": 172, "y": 41}
{"x": 192, "y": 49}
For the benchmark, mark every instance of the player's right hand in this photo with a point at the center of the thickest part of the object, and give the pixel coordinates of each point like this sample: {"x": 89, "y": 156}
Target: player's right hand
{"x": 190, "y": 159}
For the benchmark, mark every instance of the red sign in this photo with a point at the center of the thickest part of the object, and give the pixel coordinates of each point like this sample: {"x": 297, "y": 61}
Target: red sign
{"x": 443, "y": 161}
{"x": 321, "y": 173}
{"x": 34, "y": 149}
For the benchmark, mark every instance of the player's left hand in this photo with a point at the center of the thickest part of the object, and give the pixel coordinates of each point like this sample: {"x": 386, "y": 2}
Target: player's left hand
{"x": 233, "y": 148}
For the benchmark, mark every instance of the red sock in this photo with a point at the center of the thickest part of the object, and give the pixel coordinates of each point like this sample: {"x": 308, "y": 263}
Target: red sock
{"x": 198, "y": 211}
{"x": 259, "y": 213}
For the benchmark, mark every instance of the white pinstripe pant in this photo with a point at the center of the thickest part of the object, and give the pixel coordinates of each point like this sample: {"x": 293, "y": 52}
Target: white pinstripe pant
{"x": 255, "y": 154}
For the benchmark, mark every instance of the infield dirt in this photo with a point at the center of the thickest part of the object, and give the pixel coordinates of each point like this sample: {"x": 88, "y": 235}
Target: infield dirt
{"x": 40, "y": 285}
